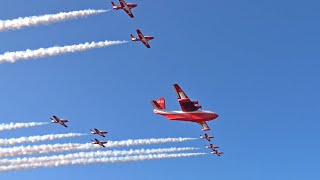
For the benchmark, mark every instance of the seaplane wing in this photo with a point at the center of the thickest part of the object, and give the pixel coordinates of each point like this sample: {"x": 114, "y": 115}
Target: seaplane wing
{"x": 204, "y": 125}
{"x": 186, "y": 104}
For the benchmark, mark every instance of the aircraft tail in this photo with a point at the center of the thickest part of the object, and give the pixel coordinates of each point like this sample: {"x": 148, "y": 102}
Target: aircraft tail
{"x": 114, "y": 6}
{"x": 156, "y": 106}
{"x": 161, "y": 101}
{"x": 133, "y": 38}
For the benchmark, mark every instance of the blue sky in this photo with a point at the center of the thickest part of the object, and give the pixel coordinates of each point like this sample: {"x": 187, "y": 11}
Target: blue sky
{"x": 255, "y": 63}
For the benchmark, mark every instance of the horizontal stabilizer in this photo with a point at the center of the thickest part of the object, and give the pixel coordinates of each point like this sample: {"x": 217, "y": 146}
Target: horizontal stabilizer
{"x": 155, "y": 105}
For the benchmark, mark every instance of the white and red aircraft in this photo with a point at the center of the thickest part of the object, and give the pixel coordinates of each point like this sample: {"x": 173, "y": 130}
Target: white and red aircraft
{"x": 142, "y": 38}
{"x": 126, "y": 7}
{"x": 218, "y": 153}
{"x": 97, "y": 131}
{"x": 55, "y": 119}
{"x": 212, "y": 147}
{"x": 190, "y": 110}
{"x": 101, "y": 143}
{"x": 207, "y": 137}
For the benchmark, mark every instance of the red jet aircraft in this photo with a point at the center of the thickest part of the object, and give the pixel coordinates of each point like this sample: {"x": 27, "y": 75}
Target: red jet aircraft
{"x": 207, "y": 137}
{"x": 212, "y": 147}
{"x": 142, "y": 38}
{"x": 97, "y": 131}
{"x": 218, "y": 153}
{"x": 55, "y": 119}
{"x": 101, "y": 143}
{"x": 126, "y": 7}
{"x": 190, "y": 110}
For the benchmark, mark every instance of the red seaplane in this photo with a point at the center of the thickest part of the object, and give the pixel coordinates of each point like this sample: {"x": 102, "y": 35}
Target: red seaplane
{"x": 97, "y": 131}
{"x": 207, "y": 137}
{"x": 126, "y": 7}
{"x": 101, "y": 143}
{"x": 212, "y": 147}
{"x": 218, "y": 153}
{"x": 190, "y": 110}
{"x": 142, "y": 38}
{"x": 55, "y": 119}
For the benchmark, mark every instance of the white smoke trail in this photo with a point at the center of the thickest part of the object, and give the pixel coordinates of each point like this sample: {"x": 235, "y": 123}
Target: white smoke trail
{"x": 12, "y": 126}
{"x": 33, "y": 139}
{"x": 19, "y": 23}
{"x": 85, "y": 161}
{"x": 54, "y": 51}
{"x": 95, "y": 154}
{"x": 48, "y": 148}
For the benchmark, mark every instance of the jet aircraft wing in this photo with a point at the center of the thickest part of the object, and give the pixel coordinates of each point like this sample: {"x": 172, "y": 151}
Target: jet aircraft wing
{"x": 56, "y": 118}
{"x": 123, "y": 3}
{"x": 146, "y": 44}
{"x": 128, "y": 11}
{"x": 141, "y": 36}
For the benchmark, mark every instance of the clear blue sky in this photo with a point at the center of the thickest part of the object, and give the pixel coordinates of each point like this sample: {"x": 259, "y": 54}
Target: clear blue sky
{"x": 255, "y": 63}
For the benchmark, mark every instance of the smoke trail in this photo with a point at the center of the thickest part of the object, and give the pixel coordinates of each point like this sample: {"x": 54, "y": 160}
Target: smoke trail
{"x": 96, "y": 154}
{"x": 48, "y": 148}
{"x": 19, "y": 23}
{"x": 54, "y": 51}
{"x": 85, "y": 161}
{"x": 12, "y": 126}
{"x": 32, "y": 139}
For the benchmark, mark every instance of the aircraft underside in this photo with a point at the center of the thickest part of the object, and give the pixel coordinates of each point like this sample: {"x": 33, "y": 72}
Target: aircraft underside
{"x": 193, "y": 117}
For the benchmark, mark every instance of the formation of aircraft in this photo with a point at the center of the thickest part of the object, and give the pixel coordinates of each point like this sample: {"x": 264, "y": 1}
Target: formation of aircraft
{"x": 98, "y": 132}
{"x": 214, "y": 150}
{"x": 101, "y": 143}
{"x": 191, "y": 111}
{"x": 124, "y": 6}
{"x": 142, "y": 38}
{"x": 57, "y": 120}
{"x": 207, "y": 137}
{"x": 127, "y": 8}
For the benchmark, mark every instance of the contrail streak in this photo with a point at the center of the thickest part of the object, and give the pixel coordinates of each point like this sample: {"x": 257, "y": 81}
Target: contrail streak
{"x": 54, "y": 51}
{"x": 33, "y": 139}
{"x": 96, "y": 154}
{"x": 14, "y": 24}
{"x": 53, "y": 148}
{"x": 85, "y": 161}
{"x": 12, "y": 126}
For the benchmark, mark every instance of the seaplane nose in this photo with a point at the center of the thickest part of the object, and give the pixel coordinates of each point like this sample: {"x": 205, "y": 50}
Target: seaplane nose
{"x": 214, "y": 115}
